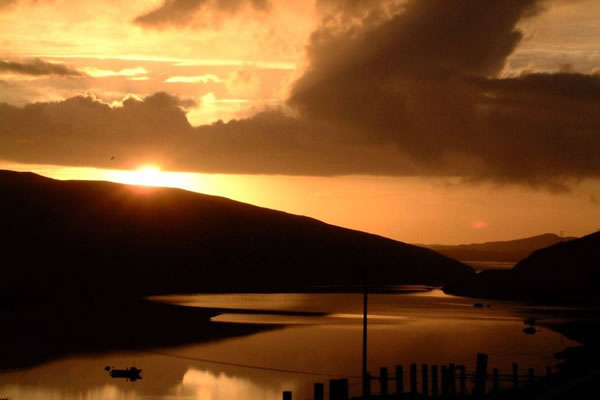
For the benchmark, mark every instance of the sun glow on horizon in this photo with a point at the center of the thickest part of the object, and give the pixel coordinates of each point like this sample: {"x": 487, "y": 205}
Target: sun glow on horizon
{"x": 395, "y": 204}
{"x": 147, "y": 175}
{"x": 144, "y": 175}
{"x": 152, "y": 175}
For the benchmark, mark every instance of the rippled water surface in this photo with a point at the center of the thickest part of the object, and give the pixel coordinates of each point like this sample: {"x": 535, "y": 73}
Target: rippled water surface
{"x": 422, "y": 327}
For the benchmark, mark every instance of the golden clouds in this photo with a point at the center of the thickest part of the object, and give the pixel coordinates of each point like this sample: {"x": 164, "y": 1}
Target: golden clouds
{"x": 104, "y": 29}
{"x": 7, "y": 3}
{"x": 194, "y": 79}
{"x": 103, "y": 73}
{"x": 98, "y": 43}
{"x": 36, "y": 67}
{"x": 199, "y": 12}
{"x": 418, "y": 87}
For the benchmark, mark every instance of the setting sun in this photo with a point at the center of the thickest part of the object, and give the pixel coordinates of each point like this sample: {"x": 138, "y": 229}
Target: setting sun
{"x": 147, "y": 175}
{"x": 151, "y": 175}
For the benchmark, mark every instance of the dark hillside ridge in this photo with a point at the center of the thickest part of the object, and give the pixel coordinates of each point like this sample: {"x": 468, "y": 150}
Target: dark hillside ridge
{"x": 565, "y": 273}
{"x": 506, "y": 251}
{"x": 89, "y": 240}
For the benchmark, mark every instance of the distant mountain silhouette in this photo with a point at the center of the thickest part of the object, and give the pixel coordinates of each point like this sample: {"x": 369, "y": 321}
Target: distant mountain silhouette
{"x": 567, "y": 272}
{"x": 84, "y": 240}
{"x": 510, "y": 250}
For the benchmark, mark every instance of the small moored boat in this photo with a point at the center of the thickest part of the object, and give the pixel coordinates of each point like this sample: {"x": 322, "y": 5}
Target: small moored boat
{"x": 131, "y": 373}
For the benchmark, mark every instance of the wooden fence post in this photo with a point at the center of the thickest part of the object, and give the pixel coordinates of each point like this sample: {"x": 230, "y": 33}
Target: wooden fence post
{"x": 424, "y": 380}
{"x": 531, "y": 376}
{"x": 344, "y": 392}
{"x": 463, "y": 380}
{"x": 334, "y": 389}
{"x": 452, "y": 380}
{"x": 338, "y": 389}
{"x": 367, "y": 386}
{"x": 383, "y": 380}
{"x": 318, "y": 391}
{"x": 399, "y": 380}
{"x": 495, "y": 380}
{"x": 434, "y": 381}
{"x": 515, "y": 375}
{"x": 287, "y": 395}
{"x": 413, "y": 379}
{"x": 445, "y": 383}
{"x": 481, "y": 374}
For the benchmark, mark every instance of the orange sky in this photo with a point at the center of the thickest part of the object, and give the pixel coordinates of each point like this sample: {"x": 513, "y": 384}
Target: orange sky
{"x": 413, "y": 210}
{"x": 231, "y": 62}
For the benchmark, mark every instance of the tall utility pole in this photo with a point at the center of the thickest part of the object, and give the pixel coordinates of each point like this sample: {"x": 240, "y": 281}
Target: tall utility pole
{"x": 365, "y": 373}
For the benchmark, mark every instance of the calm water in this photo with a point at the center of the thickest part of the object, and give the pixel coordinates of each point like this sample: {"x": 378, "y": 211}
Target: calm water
{"x": 427, "y": 327}
{"x": 483, "y": 265}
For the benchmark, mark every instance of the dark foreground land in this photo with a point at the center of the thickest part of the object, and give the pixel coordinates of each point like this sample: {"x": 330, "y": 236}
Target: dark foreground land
{"x": 33, "y": 334}
{"x": 578, "y": 371}
{"x": 96, "y": 240}
{"x": 78, "y": 257}
{"x": 565, "y": 273}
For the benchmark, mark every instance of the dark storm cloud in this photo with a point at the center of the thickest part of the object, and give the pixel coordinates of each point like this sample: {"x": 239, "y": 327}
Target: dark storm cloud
{"x": 431, "y": 44}
{"x": 85, "y": 131}
{"x": 182, "y": 12}
{"x": 426, "y": 81}
{"x": 539, "y": 128}
{"x": 412, "y": 88}
{"x": 37, "y": 67}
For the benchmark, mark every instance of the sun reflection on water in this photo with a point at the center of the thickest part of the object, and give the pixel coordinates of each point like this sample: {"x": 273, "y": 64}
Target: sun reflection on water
{"x": 204, "y": 385}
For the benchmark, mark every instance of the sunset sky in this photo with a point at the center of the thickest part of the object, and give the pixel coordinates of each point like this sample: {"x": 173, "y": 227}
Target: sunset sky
{"x": 428, "y": 121}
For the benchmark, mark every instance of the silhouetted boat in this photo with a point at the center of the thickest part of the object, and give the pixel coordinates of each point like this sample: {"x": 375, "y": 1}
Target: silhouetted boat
{"x": 131, "y": 373}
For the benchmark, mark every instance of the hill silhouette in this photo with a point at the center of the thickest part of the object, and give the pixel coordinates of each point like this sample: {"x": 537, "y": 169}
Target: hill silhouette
{"x": 506, "y": 251}
{"x": 567, "y": 272}
{"x": 84, "y": 240}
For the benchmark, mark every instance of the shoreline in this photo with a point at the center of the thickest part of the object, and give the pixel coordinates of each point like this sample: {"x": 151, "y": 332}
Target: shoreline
{"x": 34, "y": 334}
